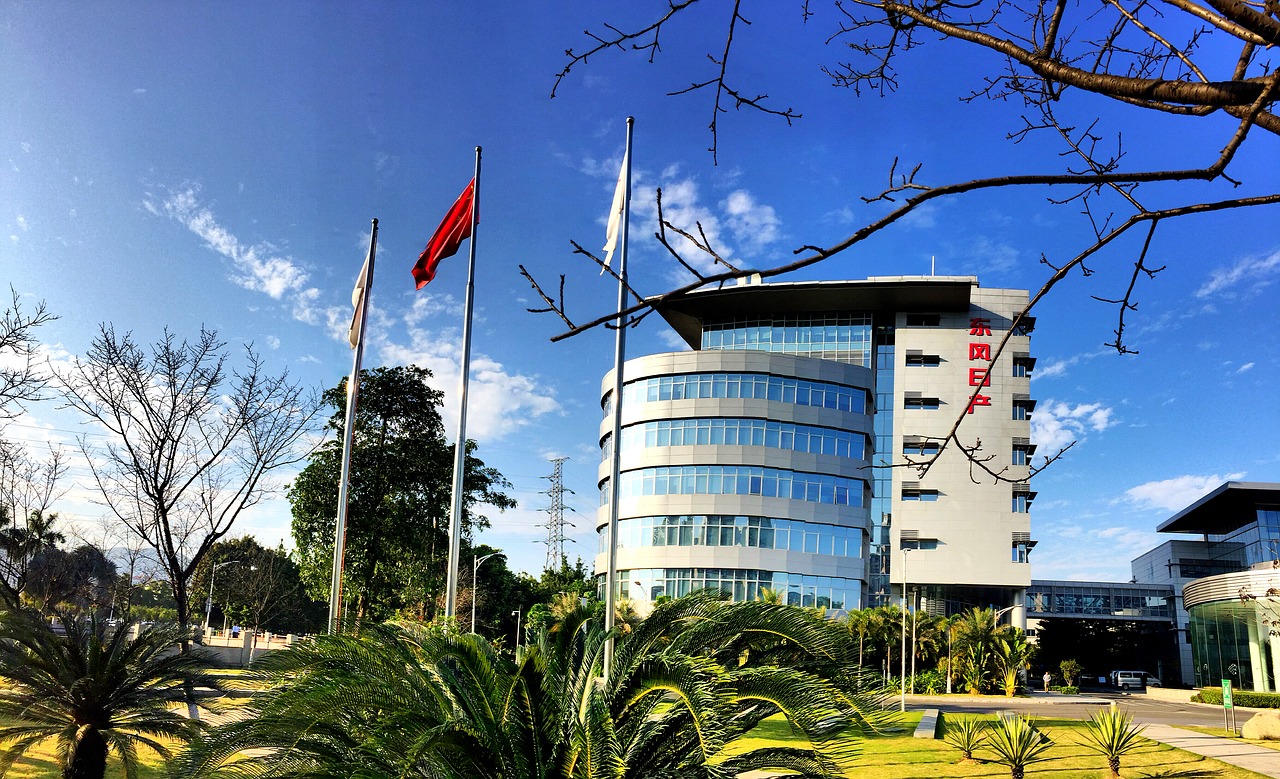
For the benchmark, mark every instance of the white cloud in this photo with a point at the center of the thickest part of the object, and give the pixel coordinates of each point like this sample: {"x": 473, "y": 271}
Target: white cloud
{"x": 751, "y": 223}
{"x": 737, "y": 224}
{"x": 21, "y": 221}
{"x": 673, "y": 340}
{"x": 1246, "y": 367}
{"x": 1258, "y": 272}
{"x": 922, "y": 217}
{"x": 499, "y": 401}
{"x": 258, "y": 267}
{"x": 272, "y": 341}
{"x": 992, "y": 256}
{"x": 427, "y": 306}
{"x": 1176, "y": 493}
{"x": 1056, "y": 424}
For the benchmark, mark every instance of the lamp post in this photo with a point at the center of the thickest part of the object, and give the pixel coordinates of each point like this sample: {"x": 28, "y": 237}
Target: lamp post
{"x": 208, "y": 604}
{"x": 517, "y": 615}
{"x": 475, "y": 585}
{"x": 902, "y": 703}
{"x": 950, "y": 632}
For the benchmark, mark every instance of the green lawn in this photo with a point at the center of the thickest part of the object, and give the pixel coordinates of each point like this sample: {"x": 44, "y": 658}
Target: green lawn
{"x": 891, "y": 756}
{"x": 899, "y": 756}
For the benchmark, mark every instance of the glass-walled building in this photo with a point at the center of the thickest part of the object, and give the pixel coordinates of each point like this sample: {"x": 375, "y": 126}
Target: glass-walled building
{"x": 776, "y": 456}
{"x": 1233, "y": 618}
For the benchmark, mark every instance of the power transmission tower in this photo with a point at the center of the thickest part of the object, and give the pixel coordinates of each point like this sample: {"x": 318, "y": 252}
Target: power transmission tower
{"x": 555, "y": 515}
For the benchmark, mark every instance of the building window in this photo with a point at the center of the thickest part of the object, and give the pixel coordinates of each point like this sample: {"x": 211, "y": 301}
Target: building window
{"x": 924, "y": 320}
{"x": 1025, "y": 326}
{"x": 1022, "y": 408}
{"x": 1022, "y": 501}
{"x": 1022, "y": 452}
{"x": 930, "y": 404}
{"x": 1020, "y": 553}
{"x": 918, "y": 359}
{"x": 915, "y": 493}
{"x": 739, "y": 480}
{"x": 841, "y": 337}
{"x": 759, "y": 386}
{"x": 1023, "y": 365}
{"x": 736, "y": 531}
{"x": 732, "y": 431}
{"x": 920, "y": 448}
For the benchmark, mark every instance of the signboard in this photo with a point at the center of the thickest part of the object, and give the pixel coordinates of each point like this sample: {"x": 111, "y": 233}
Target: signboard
{"x": 1226, "y": 693}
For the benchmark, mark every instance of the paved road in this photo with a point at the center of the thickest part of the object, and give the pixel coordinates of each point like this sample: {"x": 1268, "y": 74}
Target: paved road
{"x": 1143, "y": 709}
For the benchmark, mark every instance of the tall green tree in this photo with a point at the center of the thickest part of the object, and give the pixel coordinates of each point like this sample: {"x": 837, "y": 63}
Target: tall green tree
{"x": 398, "y": 497}
{"x": 264, "y": 587}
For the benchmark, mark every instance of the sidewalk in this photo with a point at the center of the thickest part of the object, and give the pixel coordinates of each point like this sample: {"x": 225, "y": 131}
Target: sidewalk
{"x": 1254, "y": 758}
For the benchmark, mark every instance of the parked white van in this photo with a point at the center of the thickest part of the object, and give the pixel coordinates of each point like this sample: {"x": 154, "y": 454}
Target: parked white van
{"x": 1133, "y": 680}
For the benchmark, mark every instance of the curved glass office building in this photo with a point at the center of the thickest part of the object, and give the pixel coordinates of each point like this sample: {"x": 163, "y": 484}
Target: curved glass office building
{"x": 776, "y": 454}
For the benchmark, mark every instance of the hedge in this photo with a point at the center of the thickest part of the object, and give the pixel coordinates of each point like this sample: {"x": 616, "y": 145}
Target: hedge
{"x": 1251, "y": 700}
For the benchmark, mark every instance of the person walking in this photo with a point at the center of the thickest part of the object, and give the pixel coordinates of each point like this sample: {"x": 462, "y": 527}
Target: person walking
{"x": 1048, "y": 677}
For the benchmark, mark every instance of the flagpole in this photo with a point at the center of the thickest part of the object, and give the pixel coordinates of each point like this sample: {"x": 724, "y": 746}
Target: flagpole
{"x": 619, "y": 355}
{"x": 348, "y": 436}
{"x": 460, "y": 448}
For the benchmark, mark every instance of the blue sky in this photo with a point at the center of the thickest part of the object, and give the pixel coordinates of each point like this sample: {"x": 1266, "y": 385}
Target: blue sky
{"x": 185, "y": 164}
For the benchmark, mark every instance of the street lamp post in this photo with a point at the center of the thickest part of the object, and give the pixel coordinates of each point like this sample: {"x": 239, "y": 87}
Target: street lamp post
{"x": 902, "y": 703}
{"x": 517, "y": 615}
{"x": 208, "y": 604}
{"x": 475, "y": 585}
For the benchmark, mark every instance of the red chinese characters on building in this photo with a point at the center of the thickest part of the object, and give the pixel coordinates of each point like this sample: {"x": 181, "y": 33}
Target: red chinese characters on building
{"x": 979, "y": 351}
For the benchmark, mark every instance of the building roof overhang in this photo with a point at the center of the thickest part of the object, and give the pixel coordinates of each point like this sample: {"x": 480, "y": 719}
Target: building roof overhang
{"x": 686, "y": 314}
{"x": 1229, "y": 507}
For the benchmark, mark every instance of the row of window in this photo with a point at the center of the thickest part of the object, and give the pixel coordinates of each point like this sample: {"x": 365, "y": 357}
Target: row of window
{"x": 741, "y": 531}
{"x": 1021, "y": 500}
{"x": 745, "y": 432}
{"x": 1084, "y": 599}
{"x": 797, "y": 334}
{"x": 741, "y": 585}
{"x": 758, "y": 386}
{"x": 1021, "y": 408}
{"x": 739, "y": 480}
{"x": 1022, "y": 366}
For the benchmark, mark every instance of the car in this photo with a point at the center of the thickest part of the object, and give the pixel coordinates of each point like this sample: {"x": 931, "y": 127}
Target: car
{"x": 1133, "y": 680}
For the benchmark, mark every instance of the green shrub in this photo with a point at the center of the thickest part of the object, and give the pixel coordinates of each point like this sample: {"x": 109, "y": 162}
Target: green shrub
{"x": 1112, "y": 734}
{"x": 964, "y": 733}
{"x": 1017, "y": 743}
{"x": 1252, "y": 700}
{"x": 1068, "y": 690}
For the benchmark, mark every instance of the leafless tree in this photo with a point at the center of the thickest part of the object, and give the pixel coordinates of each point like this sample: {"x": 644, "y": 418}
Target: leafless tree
{"x": 191, "y": 442}
{"x": 1199, "y": 61}
{"x": 28, "y": 489}
{"x": 22, "y": 379}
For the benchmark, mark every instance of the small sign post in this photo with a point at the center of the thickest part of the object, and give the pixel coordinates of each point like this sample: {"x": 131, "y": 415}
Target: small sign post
{"x": 1228, "y": 711}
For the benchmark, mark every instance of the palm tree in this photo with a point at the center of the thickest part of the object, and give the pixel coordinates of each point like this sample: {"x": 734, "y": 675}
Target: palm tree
{"x": 976, "y": 635}
{"x": 1013, "y": 655}
{"x": 859, "y": 623}
{"x": 1112, "y": 734}
{"x": 408, "y": 700}
{"x": 94, "y": 693}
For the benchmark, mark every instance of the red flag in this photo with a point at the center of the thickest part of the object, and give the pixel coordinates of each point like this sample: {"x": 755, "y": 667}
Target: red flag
{"x": 455, "y": 229}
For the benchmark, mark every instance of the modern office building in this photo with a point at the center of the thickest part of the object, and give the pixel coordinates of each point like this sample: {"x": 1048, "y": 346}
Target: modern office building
{"x": 787, "y": 450}
{"x": 1231, "y": 614}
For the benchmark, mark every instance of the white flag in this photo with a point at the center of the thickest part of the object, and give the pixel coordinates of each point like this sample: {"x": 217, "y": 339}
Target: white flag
{"x": 357, "y": 300}
{"x": 615, "y": 215}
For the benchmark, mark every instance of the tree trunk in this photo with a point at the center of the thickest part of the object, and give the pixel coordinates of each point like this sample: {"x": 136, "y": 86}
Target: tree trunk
{"x": 89, "y": 758}
{"x": 1114, "y": 764}
{"x": 1017, "y": 772}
